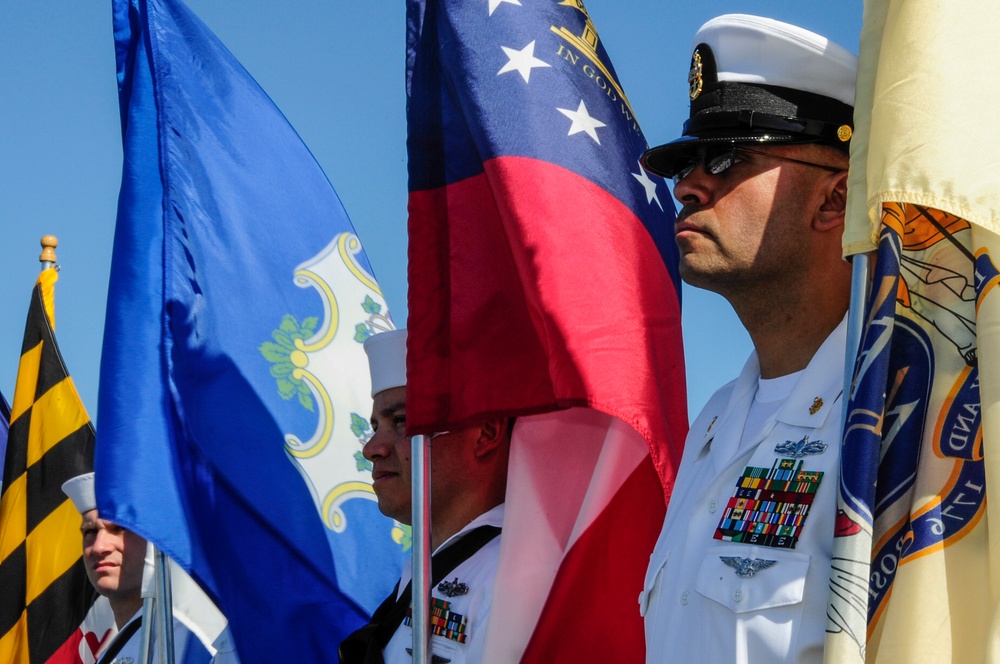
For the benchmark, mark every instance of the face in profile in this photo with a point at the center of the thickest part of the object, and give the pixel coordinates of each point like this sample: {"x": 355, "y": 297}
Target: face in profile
{"x": 113, "y": 557}
{"x": 389, "y": 451}
{"x": 744, "y": 225}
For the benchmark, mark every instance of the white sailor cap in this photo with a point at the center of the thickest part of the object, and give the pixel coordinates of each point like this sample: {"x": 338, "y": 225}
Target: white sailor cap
{"x": 757, "y": 80}
{"x": 387, "y": 359}
{"x": 80, "y": 490}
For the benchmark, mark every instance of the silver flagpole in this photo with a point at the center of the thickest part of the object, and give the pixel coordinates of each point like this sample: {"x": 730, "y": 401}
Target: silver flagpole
{"x": 146, "y": 630}
{"x": 420, "y": 460}
{"x": 165, "y": 615}
{"x": 860, "y": 269}
{"x": 149, "y": 606}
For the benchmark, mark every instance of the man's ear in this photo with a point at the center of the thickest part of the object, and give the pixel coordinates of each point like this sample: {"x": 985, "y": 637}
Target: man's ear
{"x": 492, "y": 434}
{"x": 831, "y": 211}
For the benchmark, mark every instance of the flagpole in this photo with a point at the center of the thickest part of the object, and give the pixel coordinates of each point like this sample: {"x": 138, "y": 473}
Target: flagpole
{"x": 145, "y": 631}
{"x": 48, "y": 256}
{"x": 156, "y": 615}
{"x": 420, "y": 460}
{"x": 860, "y": 269}
{"x": 165, "y": 616}
{"x": 149, "y": 606}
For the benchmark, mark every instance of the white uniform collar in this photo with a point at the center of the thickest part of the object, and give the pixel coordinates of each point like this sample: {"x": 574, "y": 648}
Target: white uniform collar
{"x": 812, "y": 400}
{"x": 493, "y": 517}
{"x": 135, "y": 616}
{"x": 820, "y": 385}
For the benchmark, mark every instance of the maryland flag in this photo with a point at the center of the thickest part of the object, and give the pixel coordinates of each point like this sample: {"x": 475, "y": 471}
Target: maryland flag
{"x": 44, "y": 591}
{"x": 916, "y": 568}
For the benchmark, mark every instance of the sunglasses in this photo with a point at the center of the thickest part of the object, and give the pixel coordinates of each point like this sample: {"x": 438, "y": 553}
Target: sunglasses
{"x": 719, "y": 159}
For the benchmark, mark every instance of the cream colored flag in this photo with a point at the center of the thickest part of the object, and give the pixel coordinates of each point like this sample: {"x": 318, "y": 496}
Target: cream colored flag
{"x": 916, "y": 569}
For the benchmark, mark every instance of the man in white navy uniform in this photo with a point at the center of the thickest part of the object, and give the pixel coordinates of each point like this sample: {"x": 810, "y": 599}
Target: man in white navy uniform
{"x": 468, "y": 483}
{"x": 114, "y": 558}
{"x": 740, "y": 570}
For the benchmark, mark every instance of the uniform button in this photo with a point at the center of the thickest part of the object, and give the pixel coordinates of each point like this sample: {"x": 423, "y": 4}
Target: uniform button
{"x": 685, "y": 596}
{"x": 713, "y": 505}
{"x": 738, "y": 595}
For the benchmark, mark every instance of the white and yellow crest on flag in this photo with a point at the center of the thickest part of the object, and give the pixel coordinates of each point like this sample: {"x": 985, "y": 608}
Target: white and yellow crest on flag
{"x": 916, "y": 574}
{"x": 320, "y": 362}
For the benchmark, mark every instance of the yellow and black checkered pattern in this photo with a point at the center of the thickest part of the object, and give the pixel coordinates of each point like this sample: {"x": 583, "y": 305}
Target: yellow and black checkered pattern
{"x": 45, "y": 592}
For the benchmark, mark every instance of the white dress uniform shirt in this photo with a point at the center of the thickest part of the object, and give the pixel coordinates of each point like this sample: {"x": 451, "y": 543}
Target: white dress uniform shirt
{"x": 460, "y": 617}
{"x": 183, "y": 638}
{"x": 704, "y": 597}
{"x": 129, "y": 653}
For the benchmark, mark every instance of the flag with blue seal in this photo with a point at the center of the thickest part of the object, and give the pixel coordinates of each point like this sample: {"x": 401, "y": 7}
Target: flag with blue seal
{"x": 915, "y": 552}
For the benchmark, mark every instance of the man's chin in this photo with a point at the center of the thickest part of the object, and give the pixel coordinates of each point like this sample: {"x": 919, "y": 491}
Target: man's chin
{"x": 394, "y": 510}
{"x": 694, "y": 277}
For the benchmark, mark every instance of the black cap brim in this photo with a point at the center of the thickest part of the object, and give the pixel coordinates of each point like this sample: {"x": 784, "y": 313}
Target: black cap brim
{"x": 669, "y": 159}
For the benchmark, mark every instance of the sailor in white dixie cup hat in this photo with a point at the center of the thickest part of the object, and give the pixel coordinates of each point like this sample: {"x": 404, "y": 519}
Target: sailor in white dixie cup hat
{"x": 114, "y": 558}
{"x": 740, "y": 572}
{"x": 468, "y": 485}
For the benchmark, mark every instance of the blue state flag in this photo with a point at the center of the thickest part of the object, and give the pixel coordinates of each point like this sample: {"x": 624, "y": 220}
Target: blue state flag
{"x": 234, "y": 392}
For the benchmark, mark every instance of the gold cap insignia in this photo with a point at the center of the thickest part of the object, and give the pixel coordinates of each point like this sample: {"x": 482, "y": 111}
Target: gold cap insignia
{"x": 817, "y": 404}
{"x": 844, "y": 133}
{"x": 694, "y": 76}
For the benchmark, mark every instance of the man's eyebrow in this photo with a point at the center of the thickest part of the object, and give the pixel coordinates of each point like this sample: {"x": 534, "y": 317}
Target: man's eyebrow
{"x": 392, "y": 407}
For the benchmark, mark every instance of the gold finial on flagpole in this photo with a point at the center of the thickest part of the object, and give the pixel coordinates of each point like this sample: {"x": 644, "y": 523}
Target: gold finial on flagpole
{"x": 48, "y": 255}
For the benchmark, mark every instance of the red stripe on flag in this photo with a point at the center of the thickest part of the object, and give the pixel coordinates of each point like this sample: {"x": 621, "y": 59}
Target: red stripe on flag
{"x": 548, "y": 296}
{"x": 617, "y": 543}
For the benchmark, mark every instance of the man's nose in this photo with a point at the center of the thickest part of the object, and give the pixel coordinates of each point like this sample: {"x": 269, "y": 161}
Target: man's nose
{"x": 695, "y": 187}
{"x": 377, "y": 446}
{"x": 103, "y": 542}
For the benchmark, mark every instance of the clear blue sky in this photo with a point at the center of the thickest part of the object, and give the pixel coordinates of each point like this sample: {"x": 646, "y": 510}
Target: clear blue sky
{"x": 336, "y": 70}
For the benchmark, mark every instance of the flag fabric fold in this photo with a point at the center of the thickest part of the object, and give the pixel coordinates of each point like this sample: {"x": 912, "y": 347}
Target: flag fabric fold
{"x": 234, "y": 393}
{"x": 4, "y": 430}
{"x": 543, "y": 284}
{"x": 915, "y": 569}
{"x": 46, "y": 593}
